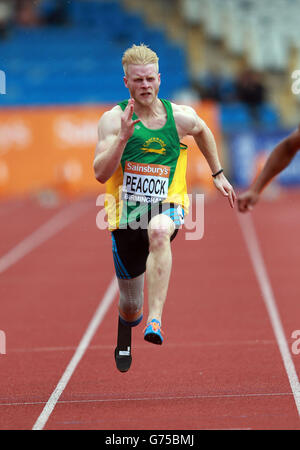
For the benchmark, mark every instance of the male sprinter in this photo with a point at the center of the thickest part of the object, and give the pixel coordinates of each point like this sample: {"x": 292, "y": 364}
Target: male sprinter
{"x": 278, "y": 160}
{"x": 141, "y": 160}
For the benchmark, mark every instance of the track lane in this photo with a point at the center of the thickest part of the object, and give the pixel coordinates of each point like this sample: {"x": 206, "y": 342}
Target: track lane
{"x": 277, "y": 228}
{"x": 219, "y": 366}
{"x": 20, "y": 216}
{"x": 47, "y": 303}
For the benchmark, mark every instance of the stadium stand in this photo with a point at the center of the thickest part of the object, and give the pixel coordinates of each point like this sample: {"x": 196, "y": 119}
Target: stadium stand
{"x": 72, "y": 56}
{"x": 260, "y": 35}
{"x": 60, "y": 61}
{"x": 79, "y": 61}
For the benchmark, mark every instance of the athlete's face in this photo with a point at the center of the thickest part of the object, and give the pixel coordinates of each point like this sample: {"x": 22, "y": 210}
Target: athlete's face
{"x": 143, "y": 83}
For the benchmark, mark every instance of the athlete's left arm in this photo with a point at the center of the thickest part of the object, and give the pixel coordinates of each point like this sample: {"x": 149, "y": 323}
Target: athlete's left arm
{"x": 189, "y": 123}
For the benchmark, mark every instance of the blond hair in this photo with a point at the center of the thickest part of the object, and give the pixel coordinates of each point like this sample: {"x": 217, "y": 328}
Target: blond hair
{"x": 139, "y": 54}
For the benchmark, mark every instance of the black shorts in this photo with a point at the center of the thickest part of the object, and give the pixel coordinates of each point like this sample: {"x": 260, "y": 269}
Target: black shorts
{"x": 131, "y": 245}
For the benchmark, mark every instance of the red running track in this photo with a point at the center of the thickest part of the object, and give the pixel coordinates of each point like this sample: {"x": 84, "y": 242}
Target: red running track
{"x": 220, "y": 366}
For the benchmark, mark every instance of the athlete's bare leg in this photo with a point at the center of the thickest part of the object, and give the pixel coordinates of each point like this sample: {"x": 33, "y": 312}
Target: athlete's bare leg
{"x": 159, "y": 263}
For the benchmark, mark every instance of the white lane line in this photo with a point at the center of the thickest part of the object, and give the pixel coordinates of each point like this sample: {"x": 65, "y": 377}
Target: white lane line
{"x": 248, "y": 230}
{"x": 58, "y": 222}
{"x": 157, "y": 398}
{"x": 97, "y": 347}
{"x": 83, "y": 345}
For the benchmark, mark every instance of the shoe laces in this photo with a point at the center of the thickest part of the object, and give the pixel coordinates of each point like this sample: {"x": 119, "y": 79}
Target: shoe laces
{"x": 155, "y": 327}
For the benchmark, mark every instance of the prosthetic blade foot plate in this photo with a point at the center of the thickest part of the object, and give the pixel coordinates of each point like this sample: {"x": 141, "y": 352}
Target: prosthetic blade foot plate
{"x": 123, "y": 356}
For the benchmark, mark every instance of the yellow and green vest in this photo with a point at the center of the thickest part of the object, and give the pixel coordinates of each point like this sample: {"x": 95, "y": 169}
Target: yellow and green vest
{"x": 152, "y": 169}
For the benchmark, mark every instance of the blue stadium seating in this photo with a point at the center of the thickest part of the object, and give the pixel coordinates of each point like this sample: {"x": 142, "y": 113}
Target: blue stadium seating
{"x": 268, "y": 116}
{"x": 81, "y": 62}
{"x": 235, "y": 117}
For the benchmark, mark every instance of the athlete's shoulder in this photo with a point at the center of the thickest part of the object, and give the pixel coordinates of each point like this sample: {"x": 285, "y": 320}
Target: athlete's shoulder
{"x": 114, "y": 112}
{"x": 111, "y": 115}
{"x": 183, "y": 109}
{"x": 187, "y": 119}
{"x": 110, "y": 121}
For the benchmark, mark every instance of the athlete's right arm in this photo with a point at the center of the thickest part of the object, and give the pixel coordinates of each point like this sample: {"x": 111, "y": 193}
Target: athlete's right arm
{"x": 114, "y": 129}
{"x": 278, "y": 160}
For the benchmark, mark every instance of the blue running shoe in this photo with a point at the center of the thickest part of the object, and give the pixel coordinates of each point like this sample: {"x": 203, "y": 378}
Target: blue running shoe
{"x": 153, "y": 332}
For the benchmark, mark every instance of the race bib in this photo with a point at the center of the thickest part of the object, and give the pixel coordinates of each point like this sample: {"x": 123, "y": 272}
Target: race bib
{"x": 148, "y": 183}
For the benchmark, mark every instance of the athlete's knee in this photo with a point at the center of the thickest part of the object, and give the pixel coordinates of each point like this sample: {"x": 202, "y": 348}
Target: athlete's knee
{"x": 158, "y": 238}
{"x": 129, "y": 304}
{"x": 159, "y": 231}
{"x": 131, "y": 297}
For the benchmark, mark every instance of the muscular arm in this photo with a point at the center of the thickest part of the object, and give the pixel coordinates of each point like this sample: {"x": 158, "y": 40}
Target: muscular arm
{"x": 207, "y": 144}
{"x": 189, "y": 123}
{"x": 110, "y": 146}
{"x": 278, "y": 160}
{"x": 114, "y": 129}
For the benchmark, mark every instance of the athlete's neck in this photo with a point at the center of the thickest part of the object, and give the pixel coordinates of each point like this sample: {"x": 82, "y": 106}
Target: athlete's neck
{"x": 154, "y": 110}
{"x": 153, "y": 116}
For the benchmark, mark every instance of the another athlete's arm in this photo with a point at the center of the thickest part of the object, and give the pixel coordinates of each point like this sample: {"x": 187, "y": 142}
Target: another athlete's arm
{"x": 189, "y": 123}
{"x": 114, "y": 129}
{"x": 277, "y": 161}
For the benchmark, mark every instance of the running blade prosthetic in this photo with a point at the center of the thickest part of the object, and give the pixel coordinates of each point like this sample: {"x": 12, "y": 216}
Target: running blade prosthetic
{"x": 123, "y": 350}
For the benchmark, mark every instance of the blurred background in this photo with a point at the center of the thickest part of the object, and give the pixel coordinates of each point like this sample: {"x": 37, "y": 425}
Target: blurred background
{"x": 235, "y": 61}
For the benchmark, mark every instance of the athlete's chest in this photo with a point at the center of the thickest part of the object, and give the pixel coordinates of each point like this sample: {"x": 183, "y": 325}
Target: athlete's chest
{"x": 150, "y": 143}
{"x": 155, "y": 123}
